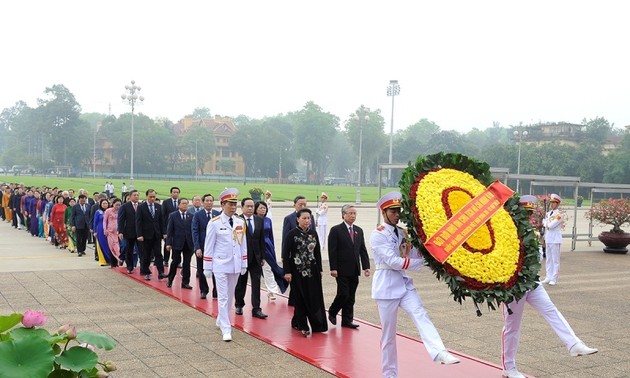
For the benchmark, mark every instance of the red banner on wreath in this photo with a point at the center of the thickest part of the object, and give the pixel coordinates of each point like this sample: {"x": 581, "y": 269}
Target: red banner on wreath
{"x": 467, "y": 220}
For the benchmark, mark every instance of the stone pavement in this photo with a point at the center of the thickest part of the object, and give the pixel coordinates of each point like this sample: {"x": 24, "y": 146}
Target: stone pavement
{"x": 159, "y": 337}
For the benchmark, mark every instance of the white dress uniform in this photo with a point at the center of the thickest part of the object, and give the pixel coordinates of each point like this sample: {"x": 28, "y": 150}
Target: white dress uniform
{"x": 540, "y": 301}
{"x": 322, "y": 222}
{"x": 392, "y": 288}
{"x": 553, "y": 240}
{"x": 225, "y": 254}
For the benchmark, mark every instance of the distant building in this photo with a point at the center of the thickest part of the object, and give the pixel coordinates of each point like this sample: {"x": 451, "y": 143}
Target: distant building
{"x": 560, "y": 132}
{"x": 223, "y": 129}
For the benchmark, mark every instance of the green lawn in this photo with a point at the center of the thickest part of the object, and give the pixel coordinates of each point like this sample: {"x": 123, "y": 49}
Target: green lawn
{"x": 281, "y": 192}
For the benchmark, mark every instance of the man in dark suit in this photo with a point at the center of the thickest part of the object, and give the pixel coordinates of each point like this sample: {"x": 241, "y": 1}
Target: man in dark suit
{"x": 179, "y": 242}
{"x": 91, "y": 201}
{"x": 79, "y": 222}
{"x": 346, "y": 254}
{"x": 127, "y": 228}
{"x": 255, "y": 246}
{"x": 199, "y": 226}
{"x": 150, "y": 230}
{"x": 195, "y": 206}
{"x": 168, "y": 206}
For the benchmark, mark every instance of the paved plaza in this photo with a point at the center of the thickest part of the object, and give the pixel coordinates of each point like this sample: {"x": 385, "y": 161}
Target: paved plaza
{"x": 160, "y": 337}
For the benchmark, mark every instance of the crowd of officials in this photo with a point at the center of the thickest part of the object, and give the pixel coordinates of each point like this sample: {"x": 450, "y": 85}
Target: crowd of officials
{"x": 229, "y": 248}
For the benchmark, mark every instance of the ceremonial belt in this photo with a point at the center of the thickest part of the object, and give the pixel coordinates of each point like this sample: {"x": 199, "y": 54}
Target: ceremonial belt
{"x": 382, "y": 266}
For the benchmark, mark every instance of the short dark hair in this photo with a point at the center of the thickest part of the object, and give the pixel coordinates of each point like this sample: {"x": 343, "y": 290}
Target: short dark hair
{"x": 303, "y": 210}
{"x": 173, "y": 188}
{"x": 82, "y": 196}
{"x": 132, "y": 191}
{"x": 245, "y": 200}
{"x": 203, "y": 198}
{"x": 149, "y": 191}
{"x": 297, "y": 198}
{"x": 259, "y": 204}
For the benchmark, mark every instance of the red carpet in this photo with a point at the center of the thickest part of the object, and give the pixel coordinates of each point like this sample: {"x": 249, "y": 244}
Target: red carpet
{"x": 340, "y": 351}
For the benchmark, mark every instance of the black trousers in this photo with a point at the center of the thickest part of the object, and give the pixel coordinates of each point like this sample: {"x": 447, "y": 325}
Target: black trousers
{"x": 151, "y": 249}
{"x": 167, "y": 255}
{"x": 130, "y": 244}
{"x": 81, "y": 235}
{"x": 203, "y": 281}
{"x": 177, "y": 258}
{"x": 239, "y": 293}
{"x": 344, "y": 300}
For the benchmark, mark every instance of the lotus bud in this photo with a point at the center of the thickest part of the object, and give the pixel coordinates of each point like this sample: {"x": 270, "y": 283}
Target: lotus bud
{"x": 101, "y": 374}
{"x": 33, "y": 319}
{"x": 86, "y": 345}
{"x": 109, "y": 366}
{"x": 69, "y": 330}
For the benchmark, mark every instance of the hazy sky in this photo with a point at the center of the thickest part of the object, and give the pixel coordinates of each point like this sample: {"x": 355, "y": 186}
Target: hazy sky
{"x": 461, "y": 64}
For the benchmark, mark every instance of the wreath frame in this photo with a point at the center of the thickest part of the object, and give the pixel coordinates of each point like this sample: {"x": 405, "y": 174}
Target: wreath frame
{"x": 526, "y": 279}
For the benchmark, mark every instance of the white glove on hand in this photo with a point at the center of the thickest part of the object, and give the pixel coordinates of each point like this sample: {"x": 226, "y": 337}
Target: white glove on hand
{"x": 243, "y": 271}
{"x": 207, "y": 273}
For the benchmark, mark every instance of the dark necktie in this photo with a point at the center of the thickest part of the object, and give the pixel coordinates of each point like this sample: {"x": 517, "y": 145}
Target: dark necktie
{"x": 249, "y": 226}
{"x": 231, "y": 222}
{"x": 184, "y": 217}
{"x": 152, "y": 210}
{"x": 351, "y": 233}
{"x": 396, "y": 231}
{"x": 83, "y": 208}
{"x": 208, "y": 215}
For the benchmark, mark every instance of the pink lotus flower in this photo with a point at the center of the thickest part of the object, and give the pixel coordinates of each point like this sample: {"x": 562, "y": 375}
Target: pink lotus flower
{"x": 69, "y": 330}
{"x": 32, "y": 319}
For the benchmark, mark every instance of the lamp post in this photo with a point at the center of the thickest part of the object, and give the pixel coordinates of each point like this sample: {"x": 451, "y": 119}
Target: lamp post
{"x": 360, "y": 119}
{"x": 520, "y": 134}
{"x": 393, "y": 90}
{"x": 132, "y": 98}
{"x": 196, "y": 154}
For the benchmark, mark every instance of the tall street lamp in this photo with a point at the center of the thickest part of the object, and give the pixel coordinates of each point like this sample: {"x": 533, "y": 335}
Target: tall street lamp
{"x": 393, "y": 90}
{"x": 132, "y": 98}
{"x": 360, "y": 118}
{"x": 520, "y": 134}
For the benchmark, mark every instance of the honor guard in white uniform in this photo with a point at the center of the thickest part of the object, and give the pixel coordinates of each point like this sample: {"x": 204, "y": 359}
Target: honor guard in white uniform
{"x": 322, "y": 220}
{"x": 553, "y": 240}
{"x": 540, "y": 301}
{"x": 392, "y": 288}
{"x": 225, "y": 254}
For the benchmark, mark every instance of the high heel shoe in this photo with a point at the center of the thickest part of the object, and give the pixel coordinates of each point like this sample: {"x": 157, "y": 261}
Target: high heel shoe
{"x": 271, "y": 296}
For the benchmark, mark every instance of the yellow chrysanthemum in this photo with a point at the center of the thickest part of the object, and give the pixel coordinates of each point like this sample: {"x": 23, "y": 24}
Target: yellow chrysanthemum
{"x": 496, "y": 266}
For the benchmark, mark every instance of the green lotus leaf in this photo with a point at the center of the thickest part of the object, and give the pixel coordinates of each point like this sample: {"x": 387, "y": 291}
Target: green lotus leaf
{"x": 77, "y": 358}
{"x": 10, "y": 321}
{"x": 63, "y": 374}
{"x": 22, "y": 332}
{"x": 29, "y": 356}
{"x": 97, "y": 340}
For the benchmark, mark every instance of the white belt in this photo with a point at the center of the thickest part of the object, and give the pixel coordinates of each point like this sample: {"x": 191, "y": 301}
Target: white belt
{"x": 382, "y": 266}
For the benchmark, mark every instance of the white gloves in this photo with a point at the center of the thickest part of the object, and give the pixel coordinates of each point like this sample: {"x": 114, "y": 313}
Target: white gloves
{"x": 207, "y": 273}
{"x": 243, "y": 271}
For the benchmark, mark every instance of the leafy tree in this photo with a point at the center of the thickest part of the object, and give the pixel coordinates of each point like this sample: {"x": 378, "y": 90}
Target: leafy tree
{"x": 200, "y": 113}
{"x": 200, "y": 141}
{"x": 596, "y": 131}
{"x": 618, "y": 169}
{"x": 314, "y": 129}
{"x": 374, "y": 142}
{"x": 413, "y": 141}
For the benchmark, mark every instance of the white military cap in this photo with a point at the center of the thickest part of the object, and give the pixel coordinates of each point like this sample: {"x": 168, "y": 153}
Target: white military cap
{"x": 390, "y": 200}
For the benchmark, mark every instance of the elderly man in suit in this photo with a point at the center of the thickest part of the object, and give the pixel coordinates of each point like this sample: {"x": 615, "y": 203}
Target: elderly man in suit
{"x": 168, "y": 206}
{"x": 79, "y": 222}
{"x": 195, "y": 206}
{"x": 225, "y": 254}
{"x": 347, "y": 254}
{"x": 255, "y": 246}
{"x": 179, "y": 242}
{"x": 150, "y": 230}
{"x": 127, "y": 228}
{"x": 199, "y": 226}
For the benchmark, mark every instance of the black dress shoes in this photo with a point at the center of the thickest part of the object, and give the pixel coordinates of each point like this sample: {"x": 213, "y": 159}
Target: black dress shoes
{"x": 169, "y": 283}
{"x": 129, "y": 271}
{"x": 332, "y": 318}
{"x": 147, "y": 277}
{"x": 350, "y": 325}
{"x": 161, "y": 276}
{"x": 259, "y": 314}
{"x": 239, "y": 311}
{"x": 204, "y": 295}
{"x": 214, "y": 293}
{"x": 187, "y": 287}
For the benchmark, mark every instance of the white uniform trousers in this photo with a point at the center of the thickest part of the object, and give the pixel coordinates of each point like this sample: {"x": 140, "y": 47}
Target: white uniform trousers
{"x": 540, "y": 301}
{"x": 321, "y": 234}
{"x": 388, "y": 313}
{"x": 226, "y": 283}
{"x": 270, "y": 281}
{"x": 552, "y": 265}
